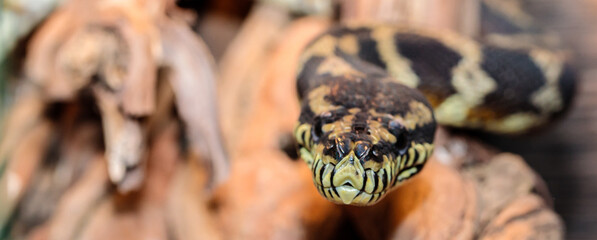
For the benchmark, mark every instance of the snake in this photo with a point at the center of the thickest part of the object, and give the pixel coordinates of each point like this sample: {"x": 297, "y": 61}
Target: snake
{"x": 372, "y": 96}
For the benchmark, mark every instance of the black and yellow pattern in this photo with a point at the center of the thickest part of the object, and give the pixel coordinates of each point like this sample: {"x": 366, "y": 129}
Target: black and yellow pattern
{"x": 371, "y": 96}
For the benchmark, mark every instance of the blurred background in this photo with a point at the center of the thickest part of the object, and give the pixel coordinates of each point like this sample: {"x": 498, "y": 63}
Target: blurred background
{"x": 52, "y": 50}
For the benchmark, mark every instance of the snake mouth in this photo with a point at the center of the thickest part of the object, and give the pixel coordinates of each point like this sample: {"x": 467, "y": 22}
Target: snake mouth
{"x": 348, "y": 195}
{"x": 348, "y": 182}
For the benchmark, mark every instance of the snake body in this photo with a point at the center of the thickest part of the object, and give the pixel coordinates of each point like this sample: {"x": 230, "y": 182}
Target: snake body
{"x": 371, "y": 96}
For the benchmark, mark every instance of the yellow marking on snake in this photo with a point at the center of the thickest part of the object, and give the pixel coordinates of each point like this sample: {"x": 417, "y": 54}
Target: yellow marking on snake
{"x": 468, "y": 79}
{"x": 336, "y": 66}
{"x": 349, "y": 44}
{"x": 418, "y": 115}
{"x": 397, "y": 66}
{"x": 372, "y": 165}
{"x": 453, "y": 111}
{"x": 411, "y": 156}
{"x": 407, "y": 173}
{"x": 548, "y": 97}
{"x": 421, "y": 152}
{"x": 513, "y": 123}
{"x": 322, "y": 48}
{"x": 300, "y": 130}
{"x": 317, "y": 102}
{"x": 306, "y": 156}
{"x": 327, "y": 175}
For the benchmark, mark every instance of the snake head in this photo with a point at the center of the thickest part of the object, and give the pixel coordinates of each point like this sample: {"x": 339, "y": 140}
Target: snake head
{"x": 356, "y": 157}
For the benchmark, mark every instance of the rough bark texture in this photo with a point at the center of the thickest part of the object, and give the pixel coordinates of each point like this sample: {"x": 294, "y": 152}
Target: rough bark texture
{"x": 118, "y": 49}
{"x": 117, "y": 101}
{"x": 54, "y": 169}
{"x": 458, "y": 15}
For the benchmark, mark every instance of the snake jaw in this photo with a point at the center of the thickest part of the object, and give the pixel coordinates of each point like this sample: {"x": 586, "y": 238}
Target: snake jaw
{"x": 349, "y": 169}
{"x": 347, "y": 193}
{"x": 350, "y": 196}
{"x": 348, "y": 182}
{"x": 349, "y": 172}
{"x": 306, "y": 156}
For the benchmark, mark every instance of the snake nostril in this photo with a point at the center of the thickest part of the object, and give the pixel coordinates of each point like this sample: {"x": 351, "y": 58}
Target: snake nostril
{"x": 358, "y": 128}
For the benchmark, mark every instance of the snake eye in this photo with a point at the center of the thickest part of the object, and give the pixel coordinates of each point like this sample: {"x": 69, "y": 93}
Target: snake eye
{"x": 376, "y": 153}
{"x": 401, "y": 134}
{"x": 317, "y": 130}
{"x": 402, "y": 142}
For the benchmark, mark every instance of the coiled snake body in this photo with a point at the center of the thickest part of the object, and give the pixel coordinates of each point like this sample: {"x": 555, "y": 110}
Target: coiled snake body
{"x": 371, "y": 97}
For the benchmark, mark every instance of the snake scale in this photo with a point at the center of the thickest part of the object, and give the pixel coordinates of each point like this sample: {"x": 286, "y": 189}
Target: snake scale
{"x": 371, "y": 96}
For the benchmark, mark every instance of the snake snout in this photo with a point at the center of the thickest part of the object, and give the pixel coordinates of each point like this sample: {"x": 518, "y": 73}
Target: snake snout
{"x": 351, "y": 182}
{"x": 349, "y": 172}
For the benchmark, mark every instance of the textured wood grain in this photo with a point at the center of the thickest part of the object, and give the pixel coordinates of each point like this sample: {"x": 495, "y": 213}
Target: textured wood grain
{"x": 280, "y": 202}
{"x": 457, "y": 15}
{"x": 18, "y": 175}
{"x": 241, "y": 67}
{"x": 128, "y": 69}
{"x": 118, "y": 48}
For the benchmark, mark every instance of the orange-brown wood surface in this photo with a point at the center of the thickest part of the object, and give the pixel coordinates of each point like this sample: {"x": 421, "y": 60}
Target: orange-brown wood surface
{"x": 60, "y": 187}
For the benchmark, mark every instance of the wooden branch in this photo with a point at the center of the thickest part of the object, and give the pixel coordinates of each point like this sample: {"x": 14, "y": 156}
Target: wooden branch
{"x": 79, "y": 41}
{"x": 23, "y": 116}
{"x": 76, "y": 204}
{"x": 466, "y": 190}
{"x": 40, "y": 65}
{"x": 169, "y": 202}
{"x": 187, "y": 206}
{"x": 120, "y": 44}
{"x": 70, "y": 153}
{"x": 192, "y": 78}
{"x": 525, "y": 217}
{"x": 241, "y": 67}
{"x": 111, "y": 50}
{"x": 124, "y": 138}
{"x": 20, "y": 167}
{"x": 457, "y": 15}
{"x": 142, "y": 39}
